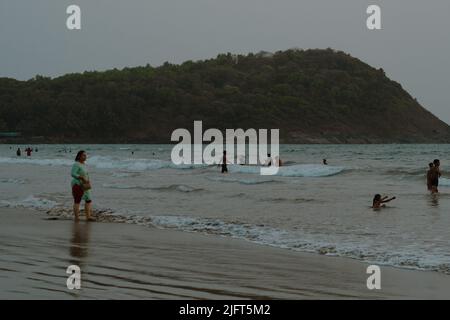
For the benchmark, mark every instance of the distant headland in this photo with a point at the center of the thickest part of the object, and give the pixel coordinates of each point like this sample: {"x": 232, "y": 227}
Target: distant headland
{"x": 312, "y": 96}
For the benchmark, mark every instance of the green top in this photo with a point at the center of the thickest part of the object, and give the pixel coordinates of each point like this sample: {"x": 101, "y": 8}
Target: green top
{"x": 78, "y": 169}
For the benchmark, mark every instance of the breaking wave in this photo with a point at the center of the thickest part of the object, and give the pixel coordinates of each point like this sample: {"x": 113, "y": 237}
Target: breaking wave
{"x": 174, "y": 187}
{"x": 31, "y": 202}
{"x": 265, "y": 235}
{"x": 241, "y": 181}
{"x": 298, "y": 170}
{"x": 444, "y": 182}
{"x": 102, "y": 162}
{"x": 12, "y": 181}
{"x": 296, "y": 239}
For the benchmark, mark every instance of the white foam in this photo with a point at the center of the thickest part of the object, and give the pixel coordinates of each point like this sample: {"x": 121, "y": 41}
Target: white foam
{"x": 184, "y": 188}
{"x": 112, "y": 163}
{"x": 135, "y": 164}
{"x": 177, "y": 187}
{"x": 298, "y": 240}
{"x": 298, "y": 170}
{"x": 241, "y": 181}
{"x": 13, "y": 181}
{"x": 34, "y": 161}
{"x": 122, "y": 174}
{"x": 30, "y": 202}
{"x": 444, "y": 182}
{"x": 174, "y": 187}
{"x": 103, "y": 162}
{"x": 127, "y": 164}
{"x": 118, "y": 186}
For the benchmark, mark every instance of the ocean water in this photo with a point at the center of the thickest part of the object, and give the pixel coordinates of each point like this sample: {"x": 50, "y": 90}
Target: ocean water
{"x": 306, "y": 207}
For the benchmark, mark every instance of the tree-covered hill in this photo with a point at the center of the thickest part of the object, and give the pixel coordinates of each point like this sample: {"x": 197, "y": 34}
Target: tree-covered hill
{"x": 312, "y": 96}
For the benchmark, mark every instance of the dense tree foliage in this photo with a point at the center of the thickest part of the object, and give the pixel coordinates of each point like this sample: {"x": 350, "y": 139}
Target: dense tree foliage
{"x": 311, "y": 95}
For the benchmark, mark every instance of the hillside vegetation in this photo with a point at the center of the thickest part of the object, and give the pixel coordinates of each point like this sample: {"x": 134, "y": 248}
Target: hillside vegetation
{"x": 312, "y": 96}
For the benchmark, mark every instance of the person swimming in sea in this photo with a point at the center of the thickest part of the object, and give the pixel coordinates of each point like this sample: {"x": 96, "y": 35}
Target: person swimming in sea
{"x": 324, "y": 161}
{"x": 378, "y": 201}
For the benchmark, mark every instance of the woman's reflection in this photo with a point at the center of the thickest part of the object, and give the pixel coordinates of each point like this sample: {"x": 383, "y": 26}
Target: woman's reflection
{"x": 80, "y": 242}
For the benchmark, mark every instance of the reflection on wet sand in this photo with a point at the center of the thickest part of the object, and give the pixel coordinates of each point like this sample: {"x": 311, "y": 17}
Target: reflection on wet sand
{"x": 79, "y": 242}
{"x": 433, "y": 200}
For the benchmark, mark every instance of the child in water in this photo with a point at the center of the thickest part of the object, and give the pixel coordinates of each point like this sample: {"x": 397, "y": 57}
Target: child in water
{"x": 430, "y": 175}
{"x": 378, "y": 201}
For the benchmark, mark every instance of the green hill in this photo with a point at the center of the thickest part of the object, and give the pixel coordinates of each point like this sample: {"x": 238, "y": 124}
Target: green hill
{"x": 312, "y": 96}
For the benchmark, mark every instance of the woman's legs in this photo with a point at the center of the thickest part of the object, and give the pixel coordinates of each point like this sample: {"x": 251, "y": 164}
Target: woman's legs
{"x": 87, "y": 209}
{"x": 87, "y": 205}
{"x": 77, "y": 193}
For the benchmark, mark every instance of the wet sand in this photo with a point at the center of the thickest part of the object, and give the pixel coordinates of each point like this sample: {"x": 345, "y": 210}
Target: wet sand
{"x": 125, "y": 261}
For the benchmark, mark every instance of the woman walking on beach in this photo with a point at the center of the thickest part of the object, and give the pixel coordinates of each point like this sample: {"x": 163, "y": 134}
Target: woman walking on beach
{"x": 81, "y": 186}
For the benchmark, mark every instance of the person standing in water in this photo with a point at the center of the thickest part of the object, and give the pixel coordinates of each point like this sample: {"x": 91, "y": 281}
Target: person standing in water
{"x": 324, "y": 161}
{"x": 18, "y": 152}
{"x": 224, "y": 162}
{"x": 429, "y": 175}
{"x": 81, "y": 186}
{"x": 435, "y": 174}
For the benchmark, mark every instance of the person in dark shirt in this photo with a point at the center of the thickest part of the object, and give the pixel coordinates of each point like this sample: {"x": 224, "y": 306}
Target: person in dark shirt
{"x": 434, "y": 176}
{"x": 224, "y": 162}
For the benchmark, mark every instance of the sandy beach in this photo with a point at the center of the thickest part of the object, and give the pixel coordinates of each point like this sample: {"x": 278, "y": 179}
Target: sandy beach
{"x": 125, "y": 261}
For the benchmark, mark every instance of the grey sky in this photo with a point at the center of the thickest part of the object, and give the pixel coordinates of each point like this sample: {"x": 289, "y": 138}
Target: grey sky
{"x": 413, "y": 46}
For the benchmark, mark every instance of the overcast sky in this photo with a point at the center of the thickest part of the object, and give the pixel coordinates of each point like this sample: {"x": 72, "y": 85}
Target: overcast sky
{"x": 413, "y": 47}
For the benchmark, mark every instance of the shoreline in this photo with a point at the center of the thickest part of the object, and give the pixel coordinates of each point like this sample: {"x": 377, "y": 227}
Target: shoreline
{"x": 127, "y": 261}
